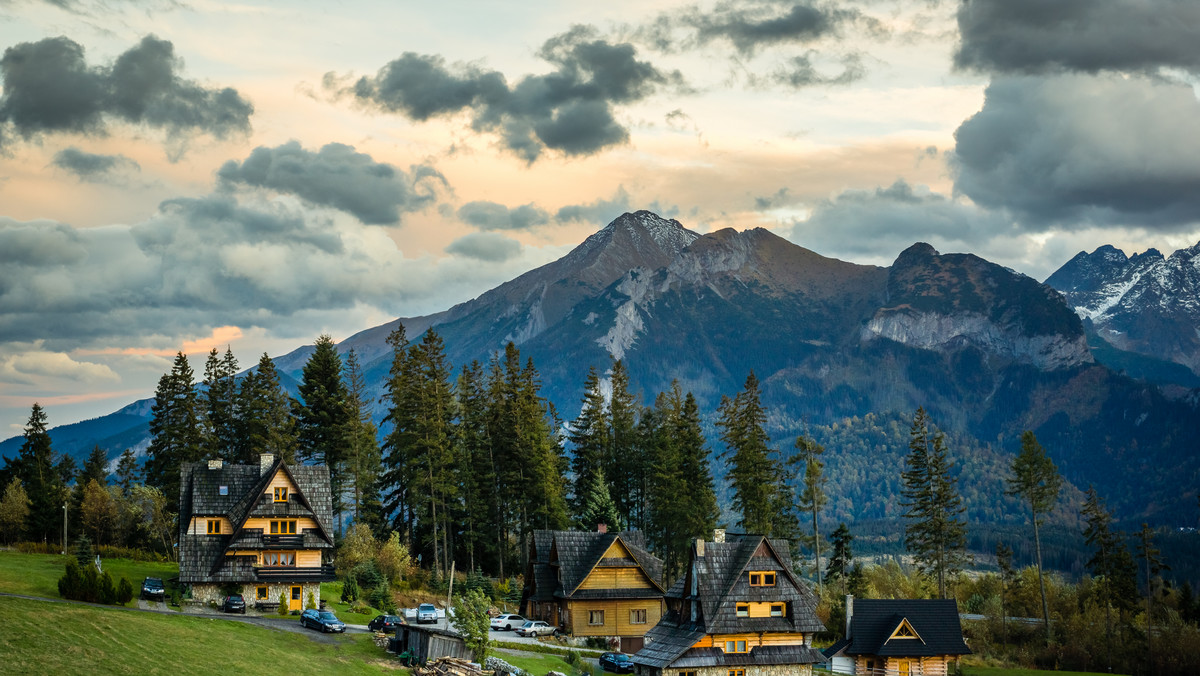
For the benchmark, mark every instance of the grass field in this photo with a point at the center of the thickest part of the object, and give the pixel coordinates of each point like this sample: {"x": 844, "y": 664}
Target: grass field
{"x": 331, "y": 594}
{"x": 537, "y": 665}
{"x": 37, "y": 574}
{"x": 45, "y": 637}
{"x": 1001, "y": 671}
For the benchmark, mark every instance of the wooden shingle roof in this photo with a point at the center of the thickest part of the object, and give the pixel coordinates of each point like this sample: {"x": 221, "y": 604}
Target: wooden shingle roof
{"x": 561, "y": 560}
{"x": 934, "y": 620}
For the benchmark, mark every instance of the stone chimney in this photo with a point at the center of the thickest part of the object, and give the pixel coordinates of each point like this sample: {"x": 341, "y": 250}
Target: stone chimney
{"x": 718, "y": 535}
{"x": 699, "y": 546}
{"x": 849, "y": 612}
{"x": 602, "y": 528}
{"x": 265, "y": 460}
{"x": 215, "y": 464}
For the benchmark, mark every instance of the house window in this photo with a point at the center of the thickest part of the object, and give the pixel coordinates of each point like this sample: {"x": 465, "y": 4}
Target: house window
{"x": 687, "y": 673}
{"x": 281, "y": 494}
{"x": 595, "y": 617}
{"x": 777, "y": 610}
{"x": 279, "y": 558}
{"x": 735, "y": 646}
{"x": 214, "y": 526}
{"x": 762, "y": 578}
{"x": 283, "y": 528}
{"x": 637, "y": 616}
{"x": 737, "y": 672}
{"x": 260, "y": 594}
{"x": 743, "y": 610}
{"x": 223, "y": 490}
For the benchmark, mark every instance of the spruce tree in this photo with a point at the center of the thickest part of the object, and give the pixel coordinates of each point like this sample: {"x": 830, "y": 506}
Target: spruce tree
{"x": 364, "y": 461}
{"x": 589, "y": 438}
{"x": 935, "y": 533}
{"x": 1151, "y": 557}
{"x": 221, "y": 405}
{"x": 812, "y": 495}
{"x": 176, "y": 435}
{"x": 841, "y": 557}
{"x": 323, "y": 417}
{"x": 1036, "y": 480}
{"x": 1110, "y": 562}
{"x": 41, "y": 478}
{"x": 397, "y": 444}
{"x": 477, "y": 476}
{"x": 761, "y": 492}
{"x": 625, "y": 465}
{"x": 128, "y": 472}
{"x": 265, "y": 421}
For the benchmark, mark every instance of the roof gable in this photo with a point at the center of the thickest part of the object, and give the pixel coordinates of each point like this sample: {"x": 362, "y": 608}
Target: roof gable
{"x": 877, "y": 627}
{"x": 573, "y": 555}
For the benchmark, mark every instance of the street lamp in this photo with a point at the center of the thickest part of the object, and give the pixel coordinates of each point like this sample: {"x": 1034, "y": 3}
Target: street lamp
{"x": 64, "y": 548}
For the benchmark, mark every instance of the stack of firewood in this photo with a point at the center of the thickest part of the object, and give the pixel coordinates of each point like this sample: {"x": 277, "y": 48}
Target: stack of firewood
{"x": 448, "y": 666}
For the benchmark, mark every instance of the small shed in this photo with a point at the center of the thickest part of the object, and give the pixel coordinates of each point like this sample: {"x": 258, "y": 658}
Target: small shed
{"x": 427, "y": 644}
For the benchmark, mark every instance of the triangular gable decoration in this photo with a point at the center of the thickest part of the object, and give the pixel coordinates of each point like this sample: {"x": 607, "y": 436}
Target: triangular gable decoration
{"x": 905, "y": 630}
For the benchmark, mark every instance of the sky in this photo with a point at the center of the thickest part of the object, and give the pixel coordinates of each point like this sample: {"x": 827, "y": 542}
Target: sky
{"x": 191, "y": 174}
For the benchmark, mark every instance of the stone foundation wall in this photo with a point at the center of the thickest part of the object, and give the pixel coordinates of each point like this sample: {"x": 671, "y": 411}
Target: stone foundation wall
{"x": 756, "y": 670}
{"x": 204, "y": 593}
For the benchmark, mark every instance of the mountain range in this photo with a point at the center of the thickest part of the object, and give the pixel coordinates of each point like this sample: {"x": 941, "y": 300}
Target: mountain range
{"x": 987, "y": 351}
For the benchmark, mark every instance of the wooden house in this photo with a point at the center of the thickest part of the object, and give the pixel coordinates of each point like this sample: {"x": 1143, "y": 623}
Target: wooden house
{"x": 737, "y": 611}
{"x": 594, "y": 584}
{"x": 899, "y": 638}
{"x": 263, "y": 529}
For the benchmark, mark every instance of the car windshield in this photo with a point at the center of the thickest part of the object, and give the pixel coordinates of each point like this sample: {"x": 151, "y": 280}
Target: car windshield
{"x": 426, "y": 606}
{"x": 235, "y": 598}
{"x": 620, "y": 657}
{"x": 329, "y": 616}
{"x": 153, "y": 582}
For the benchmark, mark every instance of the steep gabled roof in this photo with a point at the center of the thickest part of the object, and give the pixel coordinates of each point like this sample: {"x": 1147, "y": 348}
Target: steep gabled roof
{"x": 578, "y": 553}
{"x": 724, "y": 581}
{"x": 318, "y": 505}
{"x": 935, "y": 621}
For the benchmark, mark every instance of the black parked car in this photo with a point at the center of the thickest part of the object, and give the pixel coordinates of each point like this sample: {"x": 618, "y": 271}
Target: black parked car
{"x": 617, "y": 663}
{"x": 323, "y": 620}
{"x": 385, "y": 623}
{"x": 234, "y": 603}
{"x": 152, "y": 588}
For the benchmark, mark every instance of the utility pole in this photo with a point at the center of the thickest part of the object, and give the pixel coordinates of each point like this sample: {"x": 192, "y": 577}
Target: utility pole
{"x": 64, "y": 547}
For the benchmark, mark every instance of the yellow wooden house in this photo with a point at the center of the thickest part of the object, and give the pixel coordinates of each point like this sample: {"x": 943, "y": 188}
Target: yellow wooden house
{"x": 594, "y": 584}
{"x": 262, "y": 529}
{"x": 737, "y": 611}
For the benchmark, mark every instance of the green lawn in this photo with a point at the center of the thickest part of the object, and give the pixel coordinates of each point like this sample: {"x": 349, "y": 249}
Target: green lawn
{"x": 1001, "y": 671}
{"x": 37, "y": 574}
{"x": 45, "y": 637}
{"x": 537, "y": 665}
{"x": 331, "y": 594}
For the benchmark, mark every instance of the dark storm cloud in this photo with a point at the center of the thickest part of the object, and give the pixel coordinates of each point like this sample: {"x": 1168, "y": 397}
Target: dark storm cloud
{"x": 883, "y": 221}
{"x": 569, "y": 110}
{"x": 600, "y": 212}
{"x": 490, "y": 247}
{"x": 750, "y": 28}
{"x": 1034, "y": 36}
{"x": 492, "y": 216}
{"x": 91, "y": 166}
{"x": 49, "y": 87}
{"x": 1081, "y": 150}
{"x": 337, "y": 176}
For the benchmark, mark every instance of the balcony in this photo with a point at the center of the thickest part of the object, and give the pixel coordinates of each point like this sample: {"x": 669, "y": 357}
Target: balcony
{"x": 287, "y": 541}
{"x": 295, "y": 574}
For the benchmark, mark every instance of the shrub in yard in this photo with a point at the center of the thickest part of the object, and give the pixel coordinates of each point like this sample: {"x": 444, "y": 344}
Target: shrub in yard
{"x": 70, "y": 585}
{"x": 572, "y": 658}
{"x": 83, "y": 551}
{"x": 367, "y": 574}
{"x": 350, "y": 590}
{"x": 124, "y": 591}
{"x": 381, "y": 599}
{"x": 283, "y": 604}
{"x": 312, "y": 602}
{"x": 107, "y": 591}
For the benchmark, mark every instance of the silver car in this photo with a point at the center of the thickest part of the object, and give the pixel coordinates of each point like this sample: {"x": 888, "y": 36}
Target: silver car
{"x": 536, "y": 628}
{"x": 426, "y": 612}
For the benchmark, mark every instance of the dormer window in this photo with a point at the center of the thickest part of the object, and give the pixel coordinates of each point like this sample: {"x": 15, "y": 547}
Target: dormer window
{"x": 222, "y": 490}
{"x": 281, "y": 494}
{"x": 905, "y": 631}
{"x": 735, "y": 647}
{"x": 762, "y": 578}
{"x": 777, "y": 610}
{"x": 743, "y": 610}
{"x": 214, "y": 526}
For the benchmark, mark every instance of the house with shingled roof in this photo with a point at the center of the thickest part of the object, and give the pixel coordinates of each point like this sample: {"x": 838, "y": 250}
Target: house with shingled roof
{"x": 899, "y": 637}
{"x": 262, "y": 529}
{"x": 594, "y": 584}
{"x": 738, "y": 610}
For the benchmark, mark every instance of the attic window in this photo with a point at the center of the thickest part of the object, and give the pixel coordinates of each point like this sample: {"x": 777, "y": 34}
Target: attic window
{"x": 214, "y": 526}
{"x": 223, "y": 490}
{"x": 777, "y": 610}
{"x": 762, "y": 578}
{"x": 743, "y": 610}
{"x": 905, "y": 631}
{"x": 281, "y": 494}
{"x": 735, "y": 646}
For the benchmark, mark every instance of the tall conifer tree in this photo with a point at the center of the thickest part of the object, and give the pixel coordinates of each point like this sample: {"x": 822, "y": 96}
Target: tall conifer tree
{"x": 761, "y": 491}
{"x": 323, "y": 417}
{"x": 1036, "y": 480}
{"x": 590, "y": 444}
{"x": 812, "y": 495}
{"x": 221, "y": 405}
{"x": 41, "y": 479}
{"x": 175, "y": 430}
{"x": 265, "y": 421}
{"x": 935, "y": 534}
{"x": 626, "y": 465}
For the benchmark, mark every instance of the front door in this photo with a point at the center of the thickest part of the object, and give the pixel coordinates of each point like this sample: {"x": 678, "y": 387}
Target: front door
{"x": 297, "y": 597}
{"x": 905, "y": 668}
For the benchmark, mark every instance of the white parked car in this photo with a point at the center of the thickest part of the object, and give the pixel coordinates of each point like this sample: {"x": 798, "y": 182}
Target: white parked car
{"x": 536, "y": 628}
{"x": 507, "y": 622}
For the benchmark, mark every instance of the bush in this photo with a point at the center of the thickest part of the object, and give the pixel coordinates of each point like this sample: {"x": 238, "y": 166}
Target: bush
{"x": 350, "y": 590}
{"x": 572, "y": 658}
{"x": 283, "y": 604}
{"x": 124, "y": 591}
{"x": 38, "y": 548}
{"x": 381, "y": 599}
{"x": 83, "y": 551}
{"x": 107, "y": 592}
{"x": 70, "y": 585}
{"x": 312, "y": 602}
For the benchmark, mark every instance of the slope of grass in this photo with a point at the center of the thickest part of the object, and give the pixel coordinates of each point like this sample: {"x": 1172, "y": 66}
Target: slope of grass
{"x": 37, "y": 574}
{"x": 45, "y": 637}
{"x": 1002, "y": 671}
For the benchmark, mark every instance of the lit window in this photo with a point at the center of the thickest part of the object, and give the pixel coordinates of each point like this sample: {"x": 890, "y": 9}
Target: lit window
{"x": 223, "y": 490}
{"x": 737, "y": 672}
{"x": 595, "y": 617}
{"x": 637, "y": 616}
{"x": 279, "y": 558}
{"x": 283, "y": 528}
{"x": 281, "y": 494}
{"x": 777, "y": 610}
{"x": 261, "y": 594}
{"x": 762, "y": 578}
{"x": 214, "y": 526}
{"x": 743, "y": 610}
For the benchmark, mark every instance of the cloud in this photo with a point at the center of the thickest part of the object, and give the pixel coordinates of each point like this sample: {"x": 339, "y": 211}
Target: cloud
{"x": 27, "y": 367}
{"x": 600, "y": 212}
{"x": 1035, "y": 36}
{"x": 490, "y": 247}
{"x": 91, "y": 167}
{"x": 799, "y": 71}
{"x": 1083, "y": 150}
{"x": 750, "y": 28}
{"x": 337, "y": 176}
{"x": 49, "y": 87}
{"x": 881, "y": 222}
{"x": 570, "y": 110}
{"x": 492, "y": 216}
